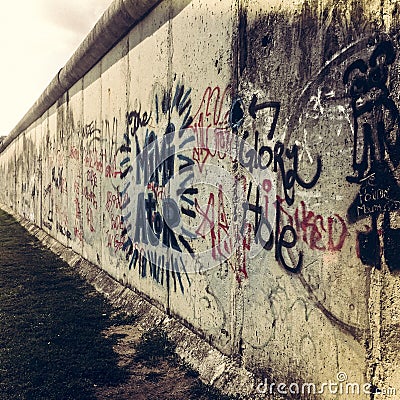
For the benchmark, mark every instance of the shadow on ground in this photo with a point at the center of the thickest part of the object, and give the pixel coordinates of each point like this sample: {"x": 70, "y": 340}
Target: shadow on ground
{"x": 60, "y": 339}
{"x": 51, "y": 341}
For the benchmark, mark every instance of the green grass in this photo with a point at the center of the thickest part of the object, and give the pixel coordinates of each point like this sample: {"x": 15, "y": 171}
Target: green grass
{"x": 51, "y": 323}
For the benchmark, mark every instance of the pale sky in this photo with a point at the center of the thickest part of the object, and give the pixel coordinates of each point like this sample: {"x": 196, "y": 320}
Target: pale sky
{"x": 37, "y": 37}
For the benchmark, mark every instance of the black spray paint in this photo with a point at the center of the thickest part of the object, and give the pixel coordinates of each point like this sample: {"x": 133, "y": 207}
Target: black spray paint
{"x": 376, "y": 126}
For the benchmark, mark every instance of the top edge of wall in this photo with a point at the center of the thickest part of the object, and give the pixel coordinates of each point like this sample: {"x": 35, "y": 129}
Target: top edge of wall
{"x": 116, "y": 22}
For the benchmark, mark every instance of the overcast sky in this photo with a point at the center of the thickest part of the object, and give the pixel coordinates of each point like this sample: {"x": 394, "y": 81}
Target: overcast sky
{"x": 37, "y": 37}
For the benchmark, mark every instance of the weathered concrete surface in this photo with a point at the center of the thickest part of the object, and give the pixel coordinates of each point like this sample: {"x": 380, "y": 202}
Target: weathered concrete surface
{"x": 237, "y": 164}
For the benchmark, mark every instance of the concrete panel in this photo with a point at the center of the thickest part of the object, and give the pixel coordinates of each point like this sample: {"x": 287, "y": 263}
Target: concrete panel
{"x": 8, "y": 184}
{"x": 20, "y": 180}
{"x": 30, "y": 169}
{"x": 114, "y": 103}
{"x": 3, "y": 182}
{"x": 73, "y": 159}
{"x": 23, "y": 180}
{"x": 37, "y": 168}
{"x": 144, "y": 256}
{"x": 8, "y": 172}
{"x": 313, "y": 289}
{"x": 49, "y": 151}
{"x": 39, "y": 137}
{"x": 59, "y": 170}
{"x": 204, "y": 184}
{"x": 12, "y": 174}
{"x": 31, "y": 192}
{"x": 92, "y": 169}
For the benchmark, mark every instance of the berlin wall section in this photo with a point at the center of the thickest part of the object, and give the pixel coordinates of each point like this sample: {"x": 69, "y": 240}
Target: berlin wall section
{"x": 331, "y": 71}
{"x": 237, "y": 164}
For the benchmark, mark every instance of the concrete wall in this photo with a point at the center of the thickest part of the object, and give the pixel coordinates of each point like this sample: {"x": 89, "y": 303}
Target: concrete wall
{"x": 237, "y": 164}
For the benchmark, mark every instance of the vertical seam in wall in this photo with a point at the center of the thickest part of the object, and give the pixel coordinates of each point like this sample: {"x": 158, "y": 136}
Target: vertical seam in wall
{"x": 82, "y": 157}
{"x": 239, "y": 320}
{"x": 169, "y": 91}
{"x": 99, "y": 257}
{"x": 124, "y": 277}
{"x": 236, "y": 289}
{"x": 65, "y": 139}
{"x": 40, "y": 169}
{"x": 15, "y": 179}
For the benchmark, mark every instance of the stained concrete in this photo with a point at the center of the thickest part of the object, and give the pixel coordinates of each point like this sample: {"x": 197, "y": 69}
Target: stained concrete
{"x": 236, "y": 163}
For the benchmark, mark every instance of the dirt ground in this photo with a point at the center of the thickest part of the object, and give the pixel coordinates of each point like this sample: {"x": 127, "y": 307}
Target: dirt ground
{"x": 155, "y": 371}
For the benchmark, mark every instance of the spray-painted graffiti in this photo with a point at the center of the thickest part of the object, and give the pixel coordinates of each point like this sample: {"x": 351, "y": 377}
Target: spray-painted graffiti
{"x": 211, "y": 126}
{"x": 154, "y": 211}
{"x": 376, "y": 152}
{"x": 219, "y": 135}
{"x": 78, "y": 224}
{"x": 316, "y": 231}
{"x": 147, "y": 169}
{"x": 165, "y": 150}
{"x": 115, "y": 203}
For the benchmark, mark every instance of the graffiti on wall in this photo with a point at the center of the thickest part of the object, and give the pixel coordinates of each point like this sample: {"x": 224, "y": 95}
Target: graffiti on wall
{"x": 376, "y": 153}
{"x": 212, "y": 181}
{"x": 150, "y": 159}
{"x": 220, "y": 134}
{"x": 215, "y": 181}
{"x": 177, "y": 168}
